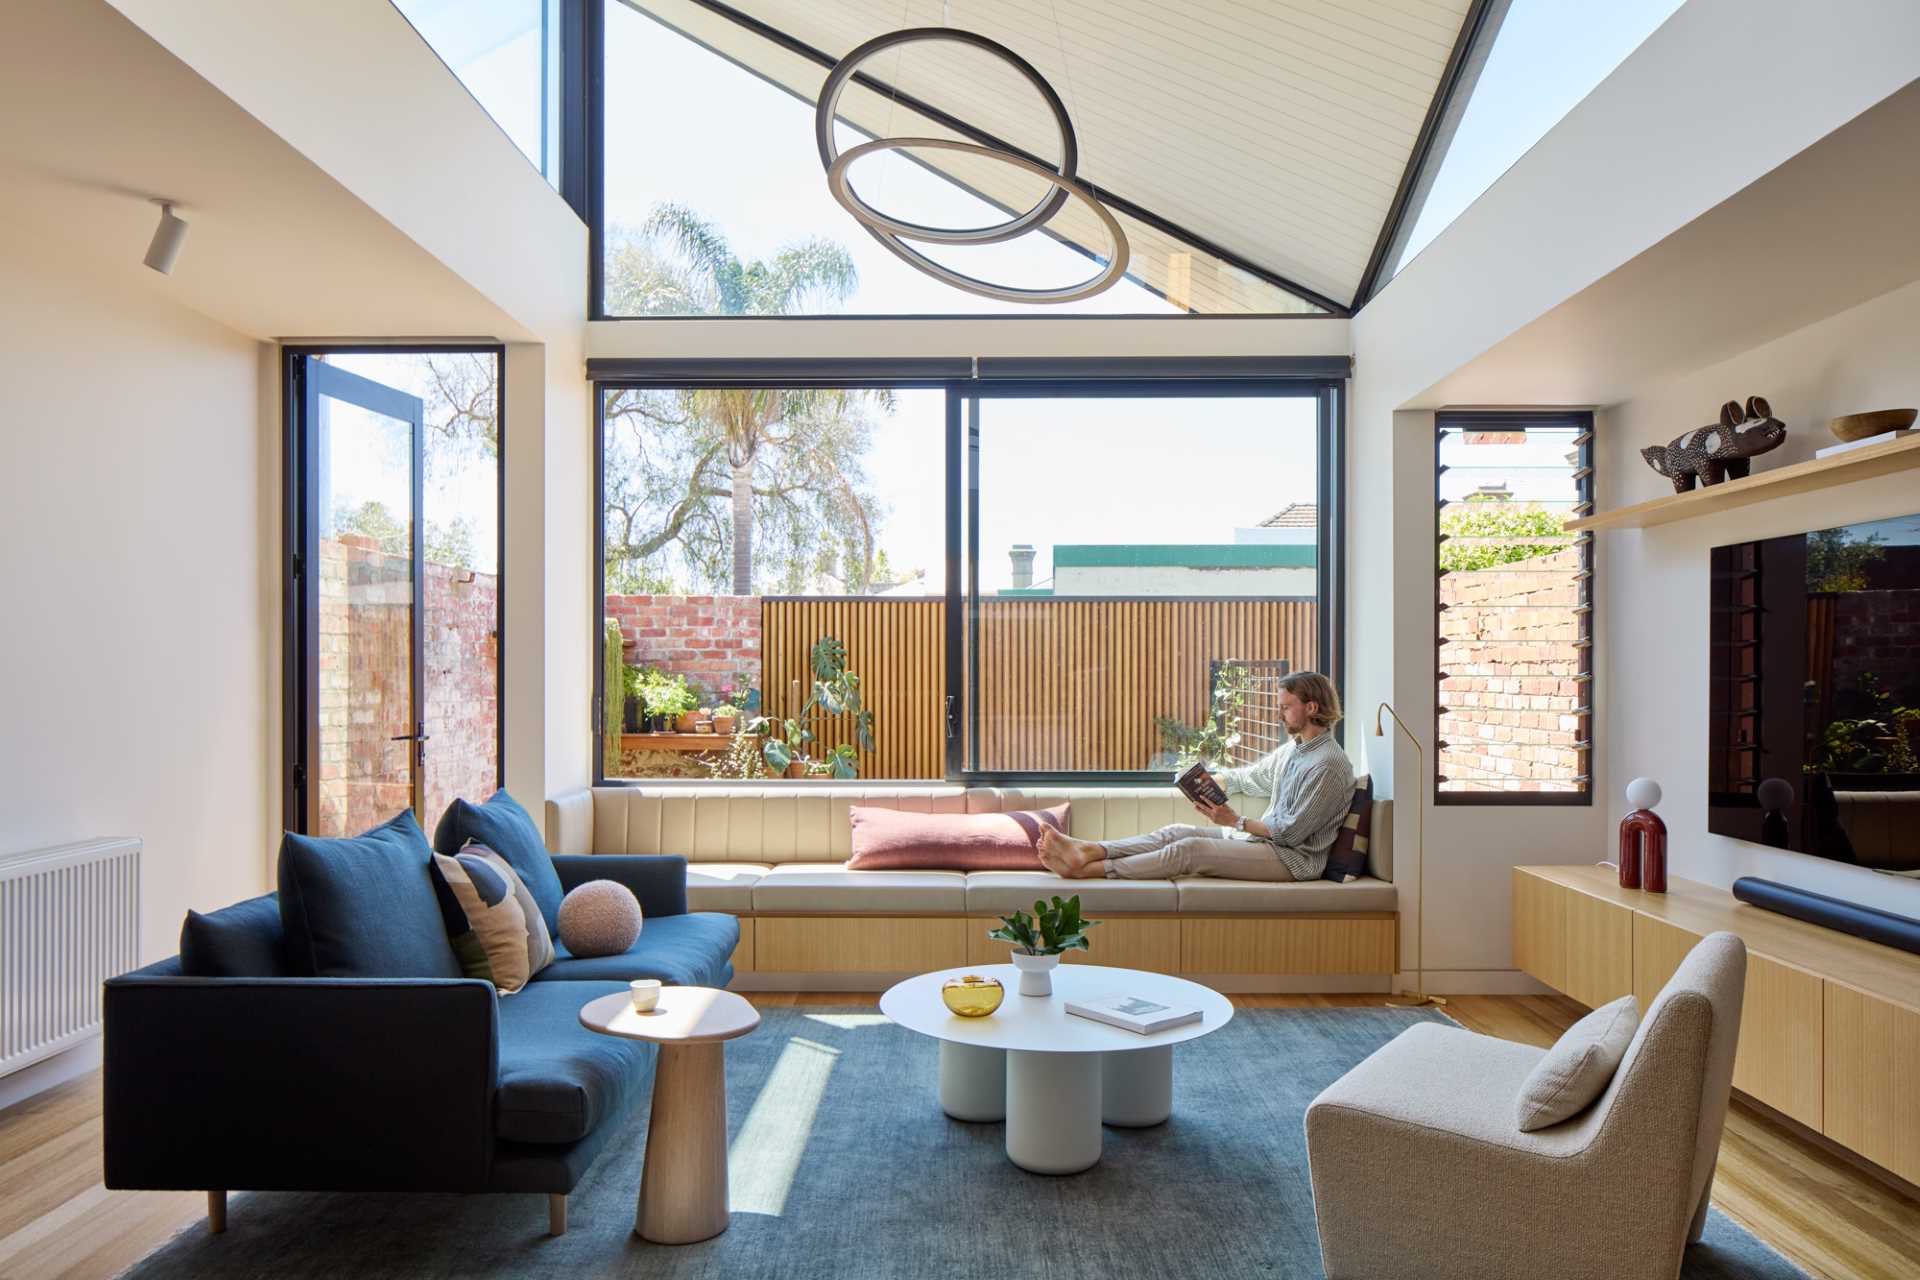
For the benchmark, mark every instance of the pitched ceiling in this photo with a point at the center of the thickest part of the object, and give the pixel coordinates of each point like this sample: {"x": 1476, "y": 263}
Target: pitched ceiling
{"x": 1276, "y": 131}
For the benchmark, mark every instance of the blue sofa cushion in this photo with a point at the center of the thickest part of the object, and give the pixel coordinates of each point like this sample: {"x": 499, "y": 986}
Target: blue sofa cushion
{"x": 363, "y": 907}
{"x": 504, "y": 827}
{"x": 692, "y": 950}
{"x": 244, "y": 940}
{"x": 559, "y": 1081}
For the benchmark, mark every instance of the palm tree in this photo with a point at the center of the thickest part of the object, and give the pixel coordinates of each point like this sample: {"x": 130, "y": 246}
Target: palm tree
{"x": 704, "y": 276}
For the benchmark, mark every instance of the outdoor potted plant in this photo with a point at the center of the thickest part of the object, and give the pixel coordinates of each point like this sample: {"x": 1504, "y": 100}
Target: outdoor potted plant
{"x": 666, "y": 697}
{"x": 836, "y": 692}
{"x": 1040, "y": 939}
{"x": 726, "y": 716}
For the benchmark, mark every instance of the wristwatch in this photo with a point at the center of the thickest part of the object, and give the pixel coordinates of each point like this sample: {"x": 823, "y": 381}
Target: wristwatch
{"x": 1240, "y": 823}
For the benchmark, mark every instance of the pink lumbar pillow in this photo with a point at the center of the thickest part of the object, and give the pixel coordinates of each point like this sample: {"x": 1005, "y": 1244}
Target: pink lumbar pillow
{"x": 894, "y": 840}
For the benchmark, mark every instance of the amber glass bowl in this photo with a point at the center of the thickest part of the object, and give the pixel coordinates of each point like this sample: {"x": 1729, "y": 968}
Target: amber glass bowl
{"x": 972, "y": 996}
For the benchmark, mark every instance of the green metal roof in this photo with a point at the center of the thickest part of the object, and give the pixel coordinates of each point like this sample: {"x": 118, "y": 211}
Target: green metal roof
{"x": 1186, "y": 555}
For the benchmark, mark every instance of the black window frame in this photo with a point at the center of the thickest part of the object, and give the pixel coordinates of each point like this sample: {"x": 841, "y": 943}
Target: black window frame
{"x": 1581, "y": 423}
{"x": 1322, "y": 380}
{"x": 299, "y": 527}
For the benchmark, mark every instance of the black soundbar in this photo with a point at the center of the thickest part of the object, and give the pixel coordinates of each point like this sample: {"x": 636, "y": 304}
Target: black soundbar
{"x": 1816, "y": 908}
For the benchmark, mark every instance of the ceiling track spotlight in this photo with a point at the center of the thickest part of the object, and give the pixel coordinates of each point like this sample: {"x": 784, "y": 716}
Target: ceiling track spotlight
{"x": 168, "y": 238}
{"x": 893, "y": 233}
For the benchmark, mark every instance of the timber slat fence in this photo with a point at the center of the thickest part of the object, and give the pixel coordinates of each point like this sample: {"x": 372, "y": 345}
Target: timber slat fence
{"x": 1065, "y": 684}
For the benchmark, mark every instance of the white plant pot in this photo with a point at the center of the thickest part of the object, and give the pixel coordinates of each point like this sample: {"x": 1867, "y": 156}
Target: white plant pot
{"x": 1036, "y": 973}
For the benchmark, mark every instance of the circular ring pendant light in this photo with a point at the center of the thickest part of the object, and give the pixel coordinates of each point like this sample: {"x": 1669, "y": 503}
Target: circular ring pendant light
{"x": 1064, "y": 188}
{"x": 891, "y": 232}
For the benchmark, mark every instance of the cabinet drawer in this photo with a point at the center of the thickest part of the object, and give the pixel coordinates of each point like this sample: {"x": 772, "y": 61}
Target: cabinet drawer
{"x": 1599, "y": 950}
{"x": 1540, "y": 928}
{"x": 1781, "y": 1040}
{"x": 1872, "y": 1074}
{"x": 1120, "y": 943}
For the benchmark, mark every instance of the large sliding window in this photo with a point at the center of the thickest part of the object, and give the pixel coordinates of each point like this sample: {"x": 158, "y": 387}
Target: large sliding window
{"x": 1514, "y": 621}
{"x": 1023, "y": 579}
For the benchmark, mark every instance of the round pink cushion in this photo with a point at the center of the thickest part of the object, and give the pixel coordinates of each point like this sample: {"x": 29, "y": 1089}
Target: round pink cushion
{"x": 599, "y": 918}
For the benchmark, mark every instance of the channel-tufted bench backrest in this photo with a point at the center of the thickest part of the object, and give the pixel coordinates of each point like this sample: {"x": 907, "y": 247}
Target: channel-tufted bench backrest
{"x": 807, "y": 821}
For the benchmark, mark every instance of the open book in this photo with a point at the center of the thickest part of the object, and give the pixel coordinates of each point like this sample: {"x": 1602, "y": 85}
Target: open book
{"x": 1200, "y": 786}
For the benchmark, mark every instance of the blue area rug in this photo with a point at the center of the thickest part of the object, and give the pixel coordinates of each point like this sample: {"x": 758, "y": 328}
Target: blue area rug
{"x": 843, "y": 1165}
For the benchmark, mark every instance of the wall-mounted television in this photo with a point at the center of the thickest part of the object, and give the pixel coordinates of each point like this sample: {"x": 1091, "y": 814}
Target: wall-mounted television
{"x": 1815, "y": 704}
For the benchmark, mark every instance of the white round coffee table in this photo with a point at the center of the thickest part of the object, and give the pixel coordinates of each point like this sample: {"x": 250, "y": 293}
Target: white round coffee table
{"x": 1052, "y": 1076}
{"x": 683, "y": 1182}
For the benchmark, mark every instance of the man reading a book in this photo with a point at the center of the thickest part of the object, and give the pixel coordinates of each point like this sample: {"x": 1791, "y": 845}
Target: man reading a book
{"x": 1307, "y": 783}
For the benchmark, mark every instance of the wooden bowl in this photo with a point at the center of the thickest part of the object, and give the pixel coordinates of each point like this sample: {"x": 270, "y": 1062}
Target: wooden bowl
{"x": 1859, "y": 426}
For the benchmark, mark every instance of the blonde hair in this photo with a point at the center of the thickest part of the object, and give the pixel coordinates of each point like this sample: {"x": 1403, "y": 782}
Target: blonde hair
{"x": 1311, "y": 686}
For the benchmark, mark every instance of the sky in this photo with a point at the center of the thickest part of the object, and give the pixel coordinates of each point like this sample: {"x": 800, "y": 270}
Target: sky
{"x": 1549, "y": 54}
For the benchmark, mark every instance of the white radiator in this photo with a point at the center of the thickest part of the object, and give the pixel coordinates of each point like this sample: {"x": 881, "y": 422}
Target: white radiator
{"x": 69, "y": 920}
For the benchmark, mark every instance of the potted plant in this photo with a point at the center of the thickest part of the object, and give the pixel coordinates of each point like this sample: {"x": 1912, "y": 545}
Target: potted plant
{"x": 666, "y": 697}
{"x": 836, "y": 692}
{"x": 726, "y": 719}
{"x": 1040, "y": 939}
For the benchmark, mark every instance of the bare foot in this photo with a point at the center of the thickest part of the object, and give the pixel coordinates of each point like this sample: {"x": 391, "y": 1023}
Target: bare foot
{"x": 1065, "y": 856}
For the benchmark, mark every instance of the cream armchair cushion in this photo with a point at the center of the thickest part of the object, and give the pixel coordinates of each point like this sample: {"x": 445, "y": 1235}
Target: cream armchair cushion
{"x": 1578, "y": 1067}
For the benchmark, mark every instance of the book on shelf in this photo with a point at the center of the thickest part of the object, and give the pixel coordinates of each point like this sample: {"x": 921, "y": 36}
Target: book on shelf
{"x": 1200, "y": 786}
{"x": 1134, "y": 1013}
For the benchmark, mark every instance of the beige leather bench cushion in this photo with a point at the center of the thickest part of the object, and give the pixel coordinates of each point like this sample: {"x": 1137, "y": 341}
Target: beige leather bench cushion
{"x": 998, "y": 892}
{"x": 1202, "y": 895}
{"x": 829, "y": 887}
{"x": 723, "y": 886}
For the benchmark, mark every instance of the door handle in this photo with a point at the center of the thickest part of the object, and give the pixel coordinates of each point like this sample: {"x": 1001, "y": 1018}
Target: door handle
{"x": 949, "y": 716}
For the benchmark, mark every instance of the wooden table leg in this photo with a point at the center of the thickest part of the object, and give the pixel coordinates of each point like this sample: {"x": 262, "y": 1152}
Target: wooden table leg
{"x": 683, "y": 1185}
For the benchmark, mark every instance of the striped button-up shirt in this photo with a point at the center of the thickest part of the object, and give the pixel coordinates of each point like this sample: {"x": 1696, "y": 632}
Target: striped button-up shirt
{"x": 1309, "y": 786}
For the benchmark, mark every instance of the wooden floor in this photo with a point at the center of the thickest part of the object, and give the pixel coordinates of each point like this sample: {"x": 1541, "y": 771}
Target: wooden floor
{"x": 1834, "y": 1220}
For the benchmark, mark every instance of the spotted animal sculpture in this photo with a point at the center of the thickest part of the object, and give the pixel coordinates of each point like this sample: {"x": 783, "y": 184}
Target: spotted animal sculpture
{"x": 1722, "y": 449}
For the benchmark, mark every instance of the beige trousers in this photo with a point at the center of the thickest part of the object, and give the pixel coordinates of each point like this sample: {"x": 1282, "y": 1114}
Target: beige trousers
{"x": 1182, "y": 850}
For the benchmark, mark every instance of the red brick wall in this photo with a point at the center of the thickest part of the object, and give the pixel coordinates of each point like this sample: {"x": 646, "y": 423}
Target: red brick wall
{"x": 1509, "y": 694}
{"x": 365, "y": 597}
{"x": 712, "y": 640}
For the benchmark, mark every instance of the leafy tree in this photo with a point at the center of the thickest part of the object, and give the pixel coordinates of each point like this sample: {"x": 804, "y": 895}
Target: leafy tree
{"x": 1495, "y": 519}
{"x": 703, "y": 480}
{"x": 448, "y": 544}
{"x": 1835, "y": 564}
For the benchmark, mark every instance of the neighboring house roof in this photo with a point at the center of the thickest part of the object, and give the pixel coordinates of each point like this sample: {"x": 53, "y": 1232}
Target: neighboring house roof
{"x": 1296, "y": 515}
{"x": 1280, "y": 555}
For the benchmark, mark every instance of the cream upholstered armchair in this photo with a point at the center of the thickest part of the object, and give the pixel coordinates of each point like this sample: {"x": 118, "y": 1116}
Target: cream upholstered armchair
{"x": 1419, "y": 1168}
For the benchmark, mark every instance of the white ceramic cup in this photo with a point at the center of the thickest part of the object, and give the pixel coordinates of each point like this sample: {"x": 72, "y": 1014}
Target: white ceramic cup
{"x": 646, "y": 994}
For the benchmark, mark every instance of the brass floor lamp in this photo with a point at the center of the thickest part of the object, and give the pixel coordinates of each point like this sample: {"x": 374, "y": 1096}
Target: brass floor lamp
{"x": 1417, "y": 997}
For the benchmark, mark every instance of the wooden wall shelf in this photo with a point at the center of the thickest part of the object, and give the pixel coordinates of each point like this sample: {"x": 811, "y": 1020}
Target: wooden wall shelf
{"x": 1781, "y": 482}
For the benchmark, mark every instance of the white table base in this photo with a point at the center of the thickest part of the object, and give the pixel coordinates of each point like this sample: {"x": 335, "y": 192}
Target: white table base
{"x": 973, "y": 1081}
{"x": 1054, "y": 1103}
{"x": 1053, "y": 1110}
{"x": 1137, "y": 1087}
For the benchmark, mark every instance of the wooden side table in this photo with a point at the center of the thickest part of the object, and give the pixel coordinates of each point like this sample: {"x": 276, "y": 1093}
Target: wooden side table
{"x": 683, "y": 1184}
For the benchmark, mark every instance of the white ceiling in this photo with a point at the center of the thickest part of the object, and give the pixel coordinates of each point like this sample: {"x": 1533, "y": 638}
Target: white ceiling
{"x": 1276, "y": 129}
{"x": 101, "y": 117}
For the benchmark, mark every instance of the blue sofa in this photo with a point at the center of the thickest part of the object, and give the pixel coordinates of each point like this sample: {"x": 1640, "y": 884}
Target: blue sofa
{"x": 266, "y": 1081}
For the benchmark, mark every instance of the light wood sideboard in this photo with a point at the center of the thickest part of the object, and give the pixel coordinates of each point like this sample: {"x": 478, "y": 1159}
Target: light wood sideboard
{"x": 1829, "y": 1029}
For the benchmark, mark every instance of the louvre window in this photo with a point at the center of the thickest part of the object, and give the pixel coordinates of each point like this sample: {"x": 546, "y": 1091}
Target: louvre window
{"x": 1514, "y": 622}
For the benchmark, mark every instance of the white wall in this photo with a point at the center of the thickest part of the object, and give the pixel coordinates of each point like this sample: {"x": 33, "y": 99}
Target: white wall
{"x": 139, "y": 657}
{"x": 1653, "y": 587}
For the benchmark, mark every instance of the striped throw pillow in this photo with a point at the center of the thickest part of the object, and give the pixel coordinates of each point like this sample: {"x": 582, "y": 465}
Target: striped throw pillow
{"x": 1347, "y": 860}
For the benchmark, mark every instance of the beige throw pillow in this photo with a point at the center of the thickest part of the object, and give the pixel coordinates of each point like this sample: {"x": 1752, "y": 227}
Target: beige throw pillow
{"x": 1576, "y": 1070}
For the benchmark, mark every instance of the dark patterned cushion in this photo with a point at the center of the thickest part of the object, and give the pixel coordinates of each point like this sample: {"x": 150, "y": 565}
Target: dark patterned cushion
{"x": 496, "y": 929}
{"x": 1347, "y": 860}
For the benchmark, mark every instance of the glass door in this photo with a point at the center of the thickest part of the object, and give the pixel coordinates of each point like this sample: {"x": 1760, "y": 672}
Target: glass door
{"x": 356, "y": 727}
